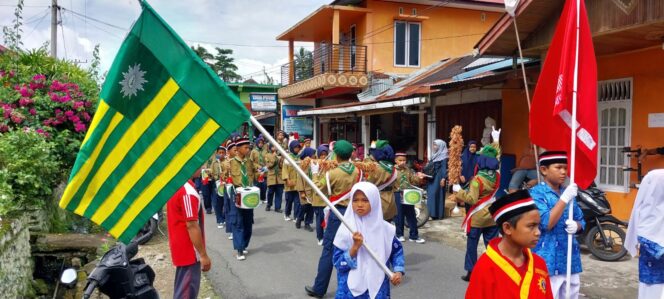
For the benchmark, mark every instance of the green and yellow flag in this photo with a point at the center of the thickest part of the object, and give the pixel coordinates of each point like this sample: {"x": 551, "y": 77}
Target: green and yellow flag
{"x": 162, "y": 113}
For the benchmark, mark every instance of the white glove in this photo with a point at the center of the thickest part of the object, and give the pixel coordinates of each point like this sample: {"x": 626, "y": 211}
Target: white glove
{"x": 571, "y": 226}
{"x": 495, "y": 135}
{"x": 569, "y": 193}
{"x": 456, "y": 188}
{"x": 314, "y": 168}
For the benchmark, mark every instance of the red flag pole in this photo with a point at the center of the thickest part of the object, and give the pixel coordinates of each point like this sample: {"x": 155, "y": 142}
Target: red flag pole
{"x": 572, "y": 164}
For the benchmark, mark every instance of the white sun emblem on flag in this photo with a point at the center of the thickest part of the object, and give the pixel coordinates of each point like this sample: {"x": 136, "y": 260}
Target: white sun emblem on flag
{"x": 132, "y": 81}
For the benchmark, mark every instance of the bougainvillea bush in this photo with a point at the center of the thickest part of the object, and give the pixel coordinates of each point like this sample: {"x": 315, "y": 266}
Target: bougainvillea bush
{"x": 48, "y": 98}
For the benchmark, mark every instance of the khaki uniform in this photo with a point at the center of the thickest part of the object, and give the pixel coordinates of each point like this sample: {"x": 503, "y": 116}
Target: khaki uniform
{"x": 257, "y": 156}
{"x": 317, "y": 201}
{"x": 236, "y": 171}
{"x": 379, "y": 177}
{"x": 274, "y": 167}
{"x": 405, "y": 179}
{"x": 306, "y": 192}
{"x": 217, "y": 171}
{"x": 340, "y": 182}
{"x": 288, "y": 173}
{"x": 482, "y": 218}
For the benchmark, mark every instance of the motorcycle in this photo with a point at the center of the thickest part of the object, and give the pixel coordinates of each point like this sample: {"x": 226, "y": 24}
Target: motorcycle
{"x": 118, "y": 276}
{"x": 604, "y": 234}
{"x": 150, "y": 228}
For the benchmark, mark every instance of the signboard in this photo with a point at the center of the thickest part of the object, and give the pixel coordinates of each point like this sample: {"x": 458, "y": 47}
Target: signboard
{"x": 303, "y": 125}
{"x": 263, "y": 102}
{"x": 655, "y": 120}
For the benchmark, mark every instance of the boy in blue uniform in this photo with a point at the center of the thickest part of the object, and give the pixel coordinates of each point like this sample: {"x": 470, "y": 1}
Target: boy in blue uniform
{"x": 552, "y": 199}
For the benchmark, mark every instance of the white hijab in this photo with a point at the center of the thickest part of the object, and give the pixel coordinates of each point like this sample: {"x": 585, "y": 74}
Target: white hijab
{"x": 441, "y": 154}
{"x": 647, "y": 218}
{"x": 377, "y": 234}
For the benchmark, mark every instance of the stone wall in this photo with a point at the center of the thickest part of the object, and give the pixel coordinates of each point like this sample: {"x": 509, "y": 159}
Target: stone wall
{"x": 15, "y": 260}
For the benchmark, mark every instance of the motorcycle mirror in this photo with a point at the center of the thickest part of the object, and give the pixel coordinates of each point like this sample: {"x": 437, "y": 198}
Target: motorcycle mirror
{"x": 69, "y": 277}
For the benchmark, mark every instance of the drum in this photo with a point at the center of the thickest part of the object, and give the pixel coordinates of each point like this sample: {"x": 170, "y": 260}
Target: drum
{"x": 220, "y": 188}
{"x": 249, "y": 197}
{"x": 412, "y": 196}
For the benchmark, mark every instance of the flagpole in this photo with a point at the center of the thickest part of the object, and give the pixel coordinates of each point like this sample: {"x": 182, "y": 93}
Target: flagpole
{"x": 573, "y": 149}
{"x": 525, "y": 86}
{"x": 306, "y": 178}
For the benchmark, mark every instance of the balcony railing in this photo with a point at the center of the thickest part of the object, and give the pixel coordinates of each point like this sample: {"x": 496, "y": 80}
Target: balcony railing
{"x": 326, "y": 59}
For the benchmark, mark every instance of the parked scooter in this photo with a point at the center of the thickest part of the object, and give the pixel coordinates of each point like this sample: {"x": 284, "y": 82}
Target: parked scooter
{"x": 150, "y": 228}
{"x": 603, "y": 234}
{"x": 118, "y": 276}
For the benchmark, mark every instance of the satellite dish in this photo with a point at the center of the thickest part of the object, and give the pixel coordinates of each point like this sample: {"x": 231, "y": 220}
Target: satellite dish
{"x": 510, "y": 6}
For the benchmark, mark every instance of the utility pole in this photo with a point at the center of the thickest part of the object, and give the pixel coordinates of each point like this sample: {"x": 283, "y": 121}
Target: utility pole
{"x": 54, "y": 28}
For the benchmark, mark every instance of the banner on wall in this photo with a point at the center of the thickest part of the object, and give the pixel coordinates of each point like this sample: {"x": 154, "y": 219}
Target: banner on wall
{"x": 263, "y": 102}
{"x": 303, "y": 125}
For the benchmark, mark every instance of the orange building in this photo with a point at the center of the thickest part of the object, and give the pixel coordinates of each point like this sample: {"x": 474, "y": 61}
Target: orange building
{"x": 362, "y": 47}
{"x": 628, "y": 38}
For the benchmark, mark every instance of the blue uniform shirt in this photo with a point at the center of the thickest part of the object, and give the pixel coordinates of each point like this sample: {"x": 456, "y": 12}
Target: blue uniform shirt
{"x": 651, "y": 263}
{"x": 552, "y": 245}
{"x": 344, "y": 263}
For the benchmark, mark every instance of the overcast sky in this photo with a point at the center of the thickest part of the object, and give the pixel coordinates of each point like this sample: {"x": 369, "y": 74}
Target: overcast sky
{"x": 215, "y": 23}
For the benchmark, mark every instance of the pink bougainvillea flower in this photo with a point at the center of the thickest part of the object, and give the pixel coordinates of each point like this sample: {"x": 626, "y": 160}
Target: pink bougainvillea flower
{"x": 78, "y": 104}
{"x": 25, "y": 102}
{"x": 25, "y": 91}
{"x": 86, "y": 116}
{"x": 39, "y": 78}
{"x": 75, "y": 119}
{"x": 33, "y": 111}
{"x": 79, "y": 127}
{"x": 4, "y": 128}
{"x": 69, "y": 113}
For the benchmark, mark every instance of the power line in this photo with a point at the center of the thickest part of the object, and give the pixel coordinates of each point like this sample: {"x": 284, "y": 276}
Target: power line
{"x": 62, "y": 33}
{"x": 96, "y": 20}
{"x": 38, "y": 23}
{"x": 101, "y": 29}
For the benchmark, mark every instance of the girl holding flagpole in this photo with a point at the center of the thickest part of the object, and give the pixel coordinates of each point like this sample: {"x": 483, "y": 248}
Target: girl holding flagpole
{"x": 358, "y": 275}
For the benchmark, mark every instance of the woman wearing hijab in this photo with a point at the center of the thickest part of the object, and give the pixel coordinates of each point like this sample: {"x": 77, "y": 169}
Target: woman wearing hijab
{"x": 437, "y": 170}
{"x": 358, "y": 275}
{"x": 645, "y": 237}
{"x": 468, "y": 162}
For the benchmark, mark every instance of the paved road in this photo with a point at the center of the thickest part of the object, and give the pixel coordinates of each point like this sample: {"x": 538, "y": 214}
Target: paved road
{"x": 282, "y": 260}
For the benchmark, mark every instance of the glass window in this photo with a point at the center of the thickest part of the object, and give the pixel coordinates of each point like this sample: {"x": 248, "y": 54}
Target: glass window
{"x": 400, "y": 43}
{"x": 614, "y": 104}
{"x": 414, "y": 44}
{"x": 407, "y": 43}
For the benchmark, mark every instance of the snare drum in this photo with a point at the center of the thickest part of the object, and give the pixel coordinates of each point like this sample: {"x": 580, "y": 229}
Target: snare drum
{"x": 411, "y": 196}
{"x": 249, "y": 197}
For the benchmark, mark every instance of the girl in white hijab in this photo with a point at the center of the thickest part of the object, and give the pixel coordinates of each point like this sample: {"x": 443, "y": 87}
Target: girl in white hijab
{"x": 358, "y": 275}
{"x": 645, "y": 236}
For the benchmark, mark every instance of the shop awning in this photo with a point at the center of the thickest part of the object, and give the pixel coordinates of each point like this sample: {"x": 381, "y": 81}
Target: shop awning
{"x": 363, "y": 107}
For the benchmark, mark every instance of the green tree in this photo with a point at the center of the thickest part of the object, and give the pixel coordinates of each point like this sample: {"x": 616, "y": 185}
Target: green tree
{"x": 304, "y": 64}
{"x": 205, "y": 55}
{"x": 224, "y": 65}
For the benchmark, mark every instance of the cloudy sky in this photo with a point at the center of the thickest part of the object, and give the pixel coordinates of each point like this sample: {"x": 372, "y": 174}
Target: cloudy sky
{"x": 249, "y": 27}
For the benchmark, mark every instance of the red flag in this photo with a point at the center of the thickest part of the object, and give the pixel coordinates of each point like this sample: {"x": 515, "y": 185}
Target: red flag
{"x": 551, "y": 111}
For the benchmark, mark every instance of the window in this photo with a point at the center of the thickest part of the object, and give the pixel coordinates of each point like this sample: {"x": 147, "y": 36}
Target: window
{"x": 615, "y": 118}
{"x": 406, "y": 44}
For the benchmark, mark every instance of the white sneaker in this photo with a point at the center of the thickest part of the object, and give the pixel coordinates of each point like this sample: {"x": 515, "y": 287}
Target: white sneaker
{"x": 401, "y": 239}
{"x": 286, "y": 218}
{"x": 219, "y": 225}
{"x": 245, "y": 251}
{"x": 320, "y": 242}
{"x": 230, "y": 237}
{"x": 240, "y": 257}
{"x": 294, "y": 219}
{"x": 418, "y": 241}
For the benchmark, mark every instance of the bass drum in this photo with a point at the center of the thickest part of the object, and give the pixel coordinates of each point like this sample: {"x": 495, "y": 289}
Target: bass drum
{"x": 421, "y": 211}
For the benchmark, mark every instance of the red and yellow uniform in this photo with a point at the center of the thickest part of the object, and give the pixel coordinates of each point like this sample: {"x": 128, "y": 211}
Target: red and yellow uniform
{"x": 496, "y": 277}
